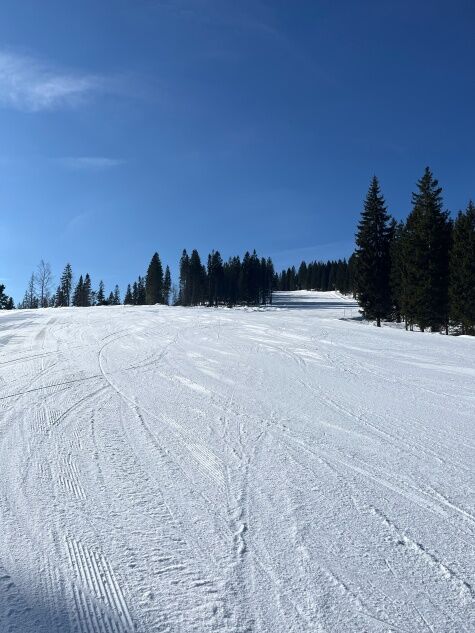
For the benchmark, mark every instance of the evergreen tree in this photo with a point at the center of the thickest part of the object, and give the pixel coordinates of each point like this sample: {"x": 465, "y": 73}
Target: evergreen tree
{"x": 128, "y": 299}
{"x": 6, "y": 302}
{"x": 167, "y": 286}
{"x": 425, "y": 248}
{"x": 372, "y": 256}
{"x": 116, "y": 296}
{"x": 196, "y": 279}
{"x": 154, "y": 281}
{"x": 59, "y": 299}
{"x": 396, "y": 278}
{"x": 184, "y": 291}
{"x": 78, "y": 293}
{"x": 462, "y": 271}
{"x": 215, "y": 278}
{"x": 141, "y": 294}
{"x": 66, "y": 285}
{"x": 87, "y": 291}
{"x": 101, "y": 295}
{"x": 135, "y": 293}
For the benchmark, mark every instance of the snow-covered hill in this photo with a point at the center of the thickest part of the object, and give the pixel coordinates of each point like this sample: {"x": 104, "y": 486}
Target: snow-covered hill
{"x": 170, "y": 469}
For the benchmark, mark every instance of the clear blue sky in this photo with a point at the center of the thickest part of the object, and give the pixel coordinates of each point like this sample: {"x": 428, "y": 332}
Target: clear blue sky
{"x": 129, "y": 126}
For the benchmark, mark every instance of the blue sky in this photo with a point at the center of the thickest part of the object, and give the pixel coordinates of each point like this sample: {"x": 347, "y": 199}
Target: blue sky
{"x": 129, "y": 126}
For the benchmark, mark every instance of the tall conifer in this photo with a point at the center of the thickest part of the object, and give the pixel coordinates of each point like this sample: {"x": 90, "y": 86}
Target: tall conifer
{"x": 372, "y": 256}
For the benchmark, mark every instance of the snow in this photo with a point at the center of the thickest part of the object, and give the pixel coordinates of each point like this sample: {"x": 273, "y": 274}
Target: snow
{"x": 272, "y": 470}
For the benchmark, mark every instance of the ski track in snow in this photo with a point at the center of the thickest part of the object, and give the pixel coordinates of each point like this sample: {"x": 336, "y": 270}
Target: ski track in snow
{"x": 278, "y": 470}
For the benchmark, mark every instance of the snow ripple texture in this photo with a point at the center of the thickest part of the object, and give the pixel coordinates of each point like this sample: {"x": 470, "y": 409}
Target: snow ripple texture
{"x": 250, "y": 470}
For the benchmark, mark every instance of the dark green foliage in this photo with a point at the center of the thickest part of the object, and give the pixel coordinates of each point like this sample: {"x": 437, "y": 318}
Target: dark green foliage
{"x": 66, "y": 286}
{"x": 196, "y": 279}
{"x": 330, "y": 275}
{"x": 425, "y": 252}
{"x": 249, "y": 282}
{"x": 101, "y": 296}
{"x": 154, "y": 282}
{"x": 372, "y": 256}
{"x": 462, "y": 272}
{"x": 167, "y": 286}
{"x": 184, "y": 291}
{"x": 396, "y": 278}
{"x": 82, "y": 296}
{"x": 128, "y": 299}
{"x": 6, "y": 302}
{"x": 78, "y": 292}
{"x": 215, "y": 278}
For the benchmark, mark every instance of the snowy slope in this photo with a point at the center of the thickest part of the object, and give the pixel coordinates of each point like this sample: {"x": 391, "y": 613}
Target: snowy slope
{"x": 169, "y": 469}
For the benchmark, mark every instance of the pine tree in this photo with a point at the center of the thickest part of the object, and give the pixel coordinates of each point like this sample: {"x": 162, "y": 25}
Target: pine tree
{"x": 66, "y": 285}
{"x": 59, "y": 299}
{"x": 78, "y": 295}
{"x": 135, "y": 293}
{"x": 462, "y": 271}
{"x": 396, "y": 277}
{"x": 116, "y": 296}
{"x": 101, "y": 296}
{"x": 426, "y": 246}
{"x": 215, "y": 278}
{"x": 167, "y": 286}
{"x": 196, "y": 275}
{"x": 184, "y": 291}
{"x": 372, "y": 256}
{"x": 154, "y": 281}
{"x": 87, "y": 291}
{"x": 6, "y": 302}
{"x": 141, "y": 294}
{"x": 128, "y": 299}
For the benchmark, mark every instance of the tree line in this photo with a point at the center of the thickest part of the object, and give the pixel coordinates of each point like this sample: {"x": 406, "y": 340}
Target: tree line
{"x": 330, "y": 275}
{"x": 248, "y": 281}
{"x": 421, "y": 271}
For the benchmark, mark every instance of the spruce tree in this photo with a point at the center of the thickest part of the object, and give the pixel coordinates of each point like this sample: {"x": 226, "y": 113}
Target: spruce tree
{"x": 154, "y": 281}
{"x": 141, "y": 294}
{"x": 425, "y": 249}
{"x": 66, "y": 285}
{"x": 396, "y": 277}
{"x": 116, "y": 296}
{"x": 59, "y": 299}
{"x": 462, "y": 271}
{"x": 372, "y": 256}
{"x": 101, "y": 295}
{"x": 128, "y": 299}
{"x": 196, "y": 275}
{"x": 184, "y": 291}
{"x": 167, "y": 286}
{"x": 6, "y": 302}
{"x": 87, "y": 291}
{"x": 215, "y": 278}
{"x": 78, "y": 297}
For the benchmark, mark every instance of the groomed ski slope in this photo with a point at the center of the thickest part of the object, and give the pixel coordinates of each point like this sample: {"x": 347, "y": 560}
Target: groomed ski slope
{"x": 279, "y": 470}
